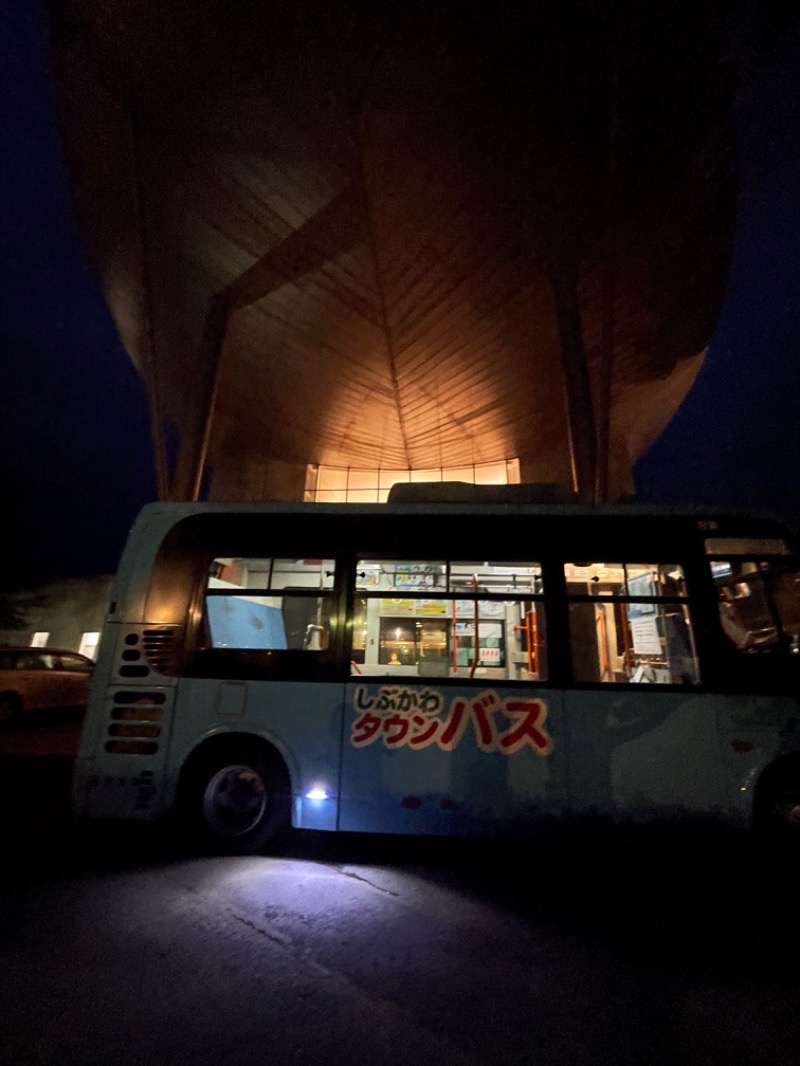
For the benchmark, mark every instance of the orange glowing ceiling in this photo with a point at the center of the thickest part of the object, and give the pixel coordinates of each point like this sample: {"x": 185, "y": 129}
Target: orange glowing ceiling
{"x": 383, "y": 198}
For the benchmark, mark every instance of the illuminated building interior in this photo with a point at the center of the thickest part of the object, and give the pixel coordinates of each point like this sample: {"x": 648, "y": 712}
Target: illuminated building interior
{"x": 344, "y": 485}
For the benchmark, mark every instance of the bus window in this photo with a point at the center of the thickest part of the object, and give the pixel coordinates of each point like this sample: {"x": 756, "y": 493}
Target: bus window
{"x": 491, "y": 625}
{"x": 759, "y": 603}
{"x": 269, "y": 604}
{"x": 400, "y": 576}
{"x": 629, "y": 622}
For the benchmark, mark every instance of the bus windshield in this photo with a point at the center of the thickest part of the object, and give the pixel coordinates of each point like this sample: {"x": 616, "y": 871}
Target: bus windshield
{"x": 758, "y": 594}
{"x": 759, "y": 602}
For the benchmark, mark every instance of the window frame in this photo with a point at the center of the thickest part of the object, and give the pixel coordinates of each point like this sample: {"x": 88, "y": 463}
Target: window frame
{"x": 268, "y": 664}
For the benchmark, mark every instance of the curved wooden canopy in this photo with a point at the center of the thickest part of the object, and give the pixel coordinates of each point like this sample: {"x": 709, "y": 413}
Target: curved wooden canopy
{"x": 408, "y": 234}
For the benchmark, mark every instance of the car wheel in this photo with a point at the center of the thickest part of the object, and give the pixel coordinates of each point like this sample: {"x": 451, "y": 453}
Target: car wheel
{"x": 9, "y": 706}
{"x": 238, "y": 800}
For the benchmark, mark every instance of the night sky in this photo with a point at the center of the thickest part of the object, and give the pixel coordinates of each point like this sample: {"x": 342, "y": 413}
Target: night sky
{"x": 76, "y": 457}
{"x": 736, "y": 438}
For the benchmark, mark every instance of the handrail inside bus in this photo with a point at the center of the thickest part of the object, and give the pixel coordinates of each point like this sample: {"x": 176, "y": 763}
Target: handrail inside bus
{"x": 476, "y": 652}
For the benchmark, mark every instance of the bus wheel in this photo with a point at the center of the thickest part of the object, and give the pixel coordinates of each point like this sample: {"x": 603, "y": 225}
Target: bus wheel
{"x": 777, "y": 803}
{"x": 784, "y": 811}
{"x": 239, "y": 800}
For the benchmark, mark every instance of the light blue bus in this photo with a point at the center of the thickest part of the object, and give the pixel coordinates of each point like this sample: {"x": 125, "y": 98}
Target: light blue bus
{"x": 458, "y": 669}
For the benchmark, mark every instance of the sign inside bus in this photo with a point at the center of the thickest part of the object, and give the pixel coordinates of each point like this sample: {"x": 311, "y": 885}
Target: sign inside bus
{"x": 406, "y": 717}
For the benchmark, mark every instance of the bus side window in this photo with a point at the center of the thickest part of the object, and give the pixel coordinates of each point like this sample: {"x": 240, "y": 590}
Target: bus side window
{"x": 471, "y": 620}
{"x": 269, "y": 604}
{"x": 630, "y": 623}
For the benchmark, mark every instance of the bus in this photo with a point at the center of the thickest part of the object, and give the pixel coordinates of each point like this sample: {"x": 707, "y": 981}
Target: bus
{"x": 445, "y": 669}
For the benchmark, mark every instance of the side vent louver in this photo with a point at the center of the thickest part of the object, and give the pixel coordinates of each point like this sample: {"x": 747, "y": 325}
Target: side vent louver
{"x": 135, "y": 723}
{"x": 159, "y": 648}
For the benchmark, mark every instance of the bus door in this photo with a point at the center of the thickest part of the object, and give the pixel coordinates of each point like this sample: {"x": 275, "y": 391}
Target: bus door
{"x": 757, "y": 587}
{"x": 449, "y": 725}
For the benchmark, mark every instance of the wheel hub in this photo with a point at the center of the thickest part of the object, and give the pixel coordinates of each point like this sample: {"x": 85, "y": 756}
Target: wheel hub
{"x": 234, "y": 800}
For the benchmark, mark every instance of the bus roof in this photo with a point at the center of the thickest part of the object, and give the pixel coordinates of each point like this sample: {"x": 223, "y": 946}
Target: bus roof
{"x": 170, "y": 512}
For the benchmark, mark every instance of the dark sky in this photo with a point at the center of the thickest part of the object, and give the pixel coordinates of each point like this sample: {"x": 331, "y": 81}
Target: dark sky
{"x": 76, "y": 458}
{"x": 736, "y": 438}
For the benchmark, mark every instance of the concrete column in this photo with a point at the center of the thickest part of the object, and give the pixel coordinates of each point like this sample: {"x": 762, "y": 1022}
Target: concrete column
{"x": 577, "y": 389}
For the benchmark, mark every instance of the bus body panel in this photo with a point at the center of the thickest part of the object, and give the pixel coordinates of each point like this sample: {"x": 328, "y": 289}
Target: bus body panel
{"x": 113, "y": 779}
{"x": 302, "y": 721}
{"x": 753, "y": 731}
{"x": 644, "y": 753}
{"x": 450, "y": 760}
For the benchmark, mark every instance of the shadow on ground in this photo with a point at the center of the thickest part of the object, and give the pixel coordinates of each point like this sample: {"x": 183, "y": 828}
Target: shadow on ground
{"x": 726, "y": 906}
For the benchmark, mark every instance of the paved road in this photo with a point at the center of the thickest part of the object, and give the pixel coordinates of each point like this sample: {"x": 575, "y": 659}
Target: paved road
{"x": 54, "y": 732}
{"x": 120, "y": 946}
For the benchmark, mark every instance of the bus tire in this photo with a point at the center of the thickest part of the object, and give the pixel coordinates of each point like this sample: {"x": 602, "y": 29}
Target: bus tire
{"x": 237, "y": 797}
{"x": 776, "y": 806}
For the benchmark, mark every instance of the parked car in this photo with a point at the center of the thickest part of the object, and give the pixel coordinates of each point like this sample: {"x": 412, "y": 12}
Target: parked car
{"x": 40, "y": 678}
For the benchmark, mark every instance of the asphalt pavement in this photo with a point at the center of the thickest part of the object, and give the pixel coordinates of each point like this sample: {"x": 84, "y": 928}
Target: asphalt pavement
{"x": 119, "y": 944}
